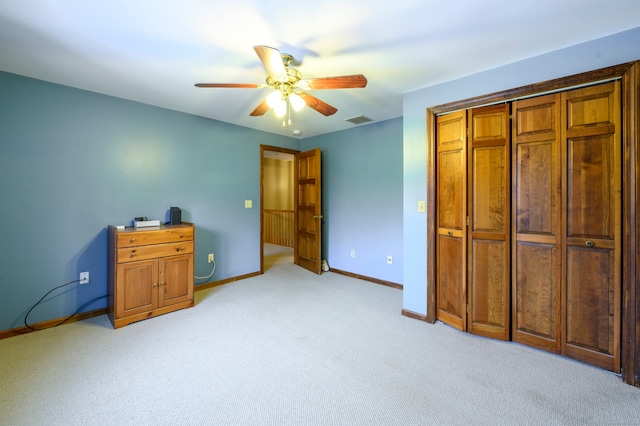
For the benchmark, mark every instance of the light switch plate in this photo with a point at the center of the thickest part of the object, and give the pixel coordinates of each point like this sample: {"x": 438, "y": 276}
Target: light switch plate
{"x": 248, "y": 204}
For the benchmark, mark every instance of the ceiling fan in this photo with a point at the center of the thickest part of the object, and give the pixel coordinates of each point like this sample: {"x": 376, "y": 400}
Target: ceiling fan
{"x": 290, "y": 88}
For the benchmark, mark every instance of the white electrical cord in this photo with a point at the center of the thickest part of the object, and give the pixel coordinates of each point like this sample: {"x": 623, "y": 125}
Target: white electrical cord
{"x": 208, "y": 276}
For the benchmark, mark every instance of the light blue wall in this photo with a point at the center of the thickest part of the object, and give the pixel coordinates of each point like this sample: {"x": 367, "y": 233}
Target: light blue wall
{"x": 362, "y": 198}
{"x": 73, "y": 162}
{"x": 613, "y": 50}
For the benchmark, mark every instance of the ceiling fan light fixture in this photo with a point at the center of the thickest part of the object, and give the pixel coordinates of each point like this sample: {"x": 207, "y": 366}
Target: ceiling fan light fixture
{"x": 280, "y": 109}
{"x": 275, "y": 99}
{"x": 289, "y": 88}
{"x": 297, "y": 103}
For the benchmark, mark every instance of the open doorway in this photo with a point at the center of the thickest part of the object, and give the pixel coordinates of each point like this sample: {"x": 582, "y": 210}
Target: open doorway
{"x": 277, "y": 206}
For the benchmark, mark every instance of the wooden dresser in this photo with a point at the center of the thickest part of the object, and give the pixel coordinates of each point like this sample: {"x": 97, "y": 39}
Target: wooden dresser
{"x": 150, "y": 271}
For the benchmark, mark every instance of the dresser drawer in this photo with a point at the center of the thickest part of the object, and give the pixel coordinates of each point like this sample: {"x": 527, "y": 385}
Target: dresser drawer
{"x": 136, "y": 238}
{"x": 132, "y": 254}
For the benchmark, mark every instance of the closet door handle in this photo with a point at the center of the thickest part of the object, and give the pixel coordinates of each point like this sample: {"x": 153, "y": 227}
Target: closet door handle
{"x": 450, "y": 233}
{"x": 589, "y": 243}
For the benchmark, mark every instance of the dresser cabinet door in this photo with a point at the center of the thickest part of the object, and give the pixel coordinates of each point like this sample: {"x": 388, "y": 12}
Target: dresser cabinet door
{"x": 176, "y": 279}
{"x": 136, "y": 291}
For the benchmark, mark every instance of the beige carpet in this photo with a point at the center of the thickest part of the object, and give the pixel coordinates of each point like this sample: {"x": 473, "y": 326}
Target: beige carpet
{"x": 293, "y": 348}
{"x": 276, "y": 255}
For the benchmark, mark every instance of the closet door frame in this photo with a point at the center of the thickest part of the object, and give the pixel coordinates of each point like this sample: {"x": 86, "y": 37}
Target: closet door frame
{"x": 629, "y": 74}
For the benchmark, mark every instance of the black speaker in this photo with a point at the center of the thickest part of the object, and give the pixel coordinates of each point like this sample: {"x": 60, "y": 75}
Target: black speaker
{"x": 175, "y": 216}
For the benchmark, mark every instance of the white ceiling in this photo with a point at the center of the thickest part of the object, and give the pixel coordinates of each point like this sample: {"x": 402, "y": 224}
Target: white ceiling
{"x": 153, "y": 51}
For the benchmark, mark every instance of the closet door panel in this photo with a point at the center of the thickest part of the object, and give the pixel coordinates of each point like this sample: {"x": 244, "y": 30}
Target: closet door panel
{"x": 489, "y": 190}
{"x": 451, "y": 296}
{"x": 489, "y": 302}
{"x": 536, "y": 188}
{"x": 591, "y": 301}
{"x": 450, "y": 189}
{"x": 489, "y": 217}
{"x": 592, "y": 239}
{"x": 451, "y": 210}
{"x": 537, "y": 254}
{"x": 589, "y": 187}
{"x": 536, "y": 320}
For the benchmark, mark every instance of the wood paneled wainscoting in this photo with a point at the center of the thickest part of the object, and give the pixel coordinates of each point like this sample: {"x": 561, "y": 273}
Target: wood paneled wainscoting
{"x": 532, "y": 221}
{"x": 278, "y": 227}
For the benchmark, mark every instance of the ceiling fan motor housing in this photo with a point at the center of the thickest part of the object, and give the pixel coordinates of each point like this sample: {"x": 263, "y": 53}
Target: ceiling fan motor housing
{"x": 285, "y": 87}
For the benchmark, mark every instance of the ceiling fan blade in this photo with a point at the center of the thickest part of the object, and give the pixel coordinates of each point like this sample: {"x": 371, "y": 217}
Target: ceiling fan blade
{"x": 342, "y": 82}
{"x": 272, "y": 61}
{"x": 231, "y": 85}
{"x": 315, "y": 103}
{"x": 260, "y": 109}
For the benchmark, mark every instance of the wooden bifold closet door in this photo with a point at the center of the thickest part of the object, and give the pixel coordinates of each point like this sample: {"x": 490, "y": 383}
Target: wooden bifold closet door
{"x": 592, "y": 225}
{"x": 473, "y": 208}
{"x": 488, "y": 198}
{"x": 451, "y": 203}
{"x": 528, "y": 219}
{"x": 537, "y": 222}
{"x": 567, "y": 224}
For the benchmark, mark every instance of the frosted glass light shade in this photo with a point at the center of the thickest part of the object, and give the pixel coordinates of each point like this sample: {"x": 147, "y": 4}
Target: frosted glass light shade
{"x": 275, "y": 99}
{"x": 297, "y": 103}
{"x": 280, "y": 109}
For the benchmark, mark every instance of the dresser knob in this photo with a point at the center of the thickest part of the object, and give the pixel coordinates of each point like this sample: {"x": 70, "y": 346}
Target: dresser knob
{"x": 133, "y": 253}
{"x": 181, "y": 235}
{"x": 132, "y": 240}
{"x": 155, "y": 284}
{"x": 180, "y": 249}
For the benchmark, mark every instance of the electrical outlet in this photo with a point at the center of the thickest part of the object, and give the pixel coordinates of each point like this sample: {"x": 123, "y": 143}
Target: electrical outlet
{"x": 84, "y": 277}
{"x": 353, "y": 253}
{"x": 210, "y": 258}
{"x": 390, "y": 260}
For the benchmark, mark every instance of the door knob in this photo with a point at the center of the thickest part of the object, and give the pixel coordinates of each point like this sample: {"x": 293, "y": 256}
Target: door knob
{"x": 590, "y": 243}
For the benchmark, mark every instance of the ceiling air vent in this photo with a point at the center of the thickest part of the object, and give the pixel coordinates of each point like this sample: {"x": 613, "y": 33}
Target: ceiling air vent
{"x": 359, "y": 119}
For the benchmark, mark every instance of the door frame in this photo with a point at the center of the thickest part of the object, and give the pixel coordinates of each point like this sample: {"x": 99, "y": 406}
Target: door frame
{"x": 629, "y": 74}
{"x": 264, "y": 148}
